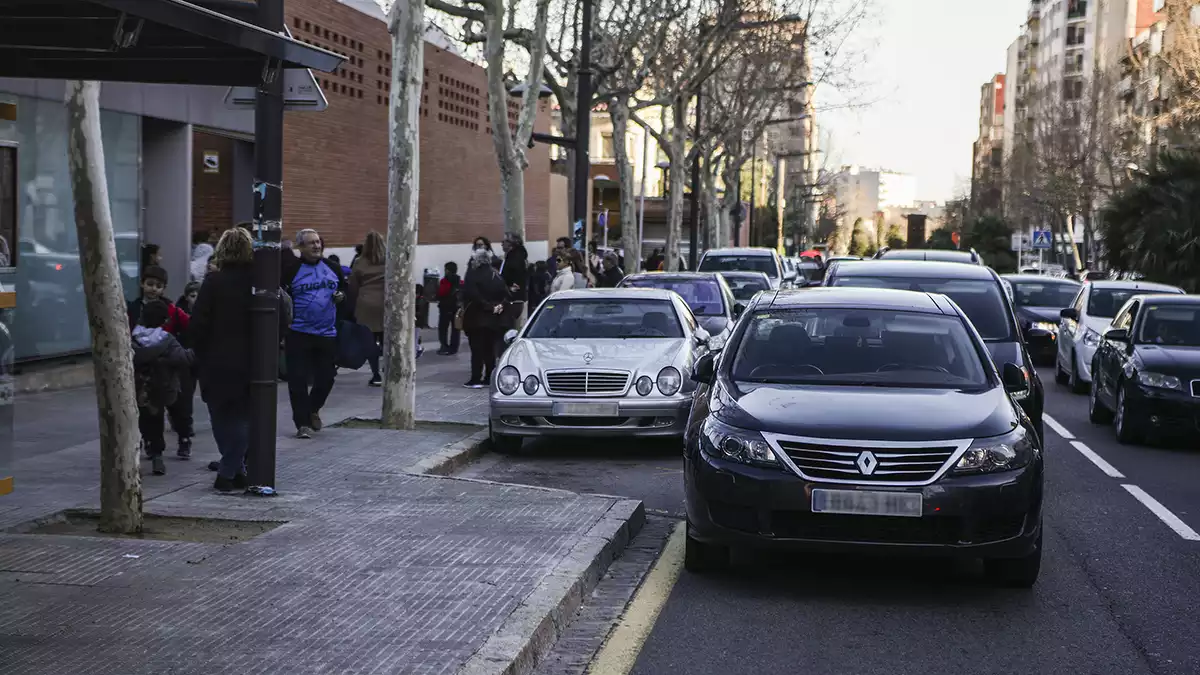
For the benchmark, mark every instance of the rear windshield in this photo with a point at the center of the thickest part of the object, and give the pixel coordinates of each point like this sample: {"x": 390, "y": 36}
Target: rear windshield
{"x": 1104, "y": 303}
{"x": 932, "y": 254}
{"x": 744, "y": 263}
{"x": 702, "y": 295}
{"x": 603, "y": 318}
{"x": 980, "y": 299}
{"x": 1171, "y": 326}
{"x": 745, "y": 288}
{"x": 859, "y": 347}
{"x": 1043, "y": 294}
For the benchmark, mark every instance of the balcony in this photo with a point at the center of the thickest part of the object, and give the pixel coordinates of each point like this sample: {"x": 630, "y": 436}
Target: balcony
{"x": 1077, "y": 10}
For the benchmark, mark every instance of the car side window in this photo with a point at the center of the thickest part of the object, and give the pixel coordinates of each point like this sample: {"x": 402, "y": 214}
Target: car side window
{"x": 1125, "y": 319}
{"x": 1080, "y": 300}
{"x": 689, "y": 319}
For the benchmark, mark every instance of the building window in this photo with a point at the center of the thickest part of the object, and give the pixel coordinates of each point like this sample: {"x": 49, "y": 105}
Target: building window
{"x": 8, "y": 206}
{"x": 307, "y": 27}
{"x": 1075, "y": 35}
{"x": 606, "y": 146}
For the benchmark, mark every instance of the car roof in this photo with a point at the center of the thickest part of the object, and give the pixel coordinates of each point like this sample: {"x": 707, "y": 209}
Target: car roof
{"x": 944, "y": 255}
{"x": 1039, "y": 277}
{"x": 1169, "y": 298}
{"x": 747, "y": 250}
{"x": 1133, "y": 285}
{"x": 743, "y": 273}
{"x": 614, "y": 294}
{"x": 673, "y": 275}
{"x": 866, "y": 298}
{"x": 912, "y": 268}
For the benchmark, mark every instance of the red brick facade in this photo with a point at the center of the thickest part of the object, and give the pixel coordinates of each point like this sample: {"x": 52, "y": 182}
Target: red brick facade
{"x": 336, "y": 162}
{"x": 212, "y": 192}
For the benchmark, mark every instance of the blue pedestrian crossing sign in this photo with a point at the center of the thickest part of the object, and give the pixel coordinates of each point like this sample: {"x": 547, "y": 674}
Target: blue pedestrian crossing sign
{"x": 1043, "y": 239}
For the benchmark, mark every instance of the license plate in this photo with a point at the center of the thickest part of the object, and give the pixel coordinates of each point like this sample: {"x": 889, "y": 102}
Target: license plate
{"x": 867, "y": 503}
{"x": 573, "y": 409}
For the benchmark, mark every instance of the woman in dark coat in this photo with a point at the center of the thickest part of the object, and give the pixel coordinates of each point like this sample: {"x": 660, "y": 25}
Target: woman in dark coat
{"x": 484, "y": 296}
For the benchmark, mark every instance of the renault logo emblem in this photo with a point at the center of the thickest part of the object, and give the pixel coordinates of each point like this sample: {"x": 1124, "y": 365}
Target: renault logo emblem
{"x": 587, "y": 357}
{"x": 867, "y": 463}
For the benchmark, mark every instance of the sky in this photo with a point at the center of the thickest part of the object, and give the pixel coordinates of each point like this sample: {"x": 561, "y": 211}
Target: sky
{"x": 921, "y": 90}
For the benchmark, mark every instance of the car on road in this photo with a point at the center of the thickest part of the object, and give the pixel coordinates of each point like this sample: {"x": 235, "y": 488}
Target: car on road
{"x": 1083, "y": 323}
{"x": 810, "y": 272}
{"x": 980, "y": 293}
{"x": 597, "y": 362}
{"x": 1039, "y": 300}
{"x": 1146, "y": 370}
{"x": 706, "y": 294}
{"x": 745, "y": 285}
{"x": 970, "y": 257}
{"x": 746, "y": 259}
{"x": 853, "y": 419}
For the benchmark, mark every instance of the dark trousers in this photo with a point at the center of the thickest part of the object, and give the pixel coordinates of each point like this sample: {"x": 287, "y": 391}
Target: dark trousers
{"x": 373, "y": 359}
{"x": 448, "y": 335}
{"x": 180, "y": 412}
{"x": 483, "y": 353}
{"x": 310, "y": 358}
{"x": 150, "y": 423}
{"x": 231, "y": 430}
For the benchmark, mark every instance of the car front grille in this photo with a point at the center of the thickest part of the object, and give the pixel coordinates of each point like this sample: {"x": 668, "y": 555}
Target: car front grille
{"x": 867, "y": 463}
{"x": 587, "y": 382}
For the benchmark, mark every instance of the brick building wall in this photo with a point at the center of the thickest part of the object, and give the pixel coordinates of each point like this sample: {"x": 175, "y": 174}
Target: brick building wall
{"x": 336, "y": 162}
{"x": 212, "y": 193}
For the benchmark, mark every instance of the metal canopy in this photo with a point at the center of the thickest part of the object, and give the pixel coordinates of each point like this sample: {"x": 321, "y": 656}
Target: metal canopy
{"x": 160, "y": 41}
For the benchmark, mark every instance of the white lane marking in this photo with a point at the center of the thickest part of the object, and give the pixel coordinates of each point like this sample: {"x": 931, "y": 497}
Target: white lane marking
{"x": 1164, "y": 514}
{"x": 1097, "y": 460}
{"x": 1058, "y": 428}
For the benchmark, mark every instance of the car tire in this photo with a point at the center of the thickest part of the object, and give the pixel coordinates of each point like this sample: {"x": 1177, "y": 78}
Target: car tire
{"x": 1128, "y": 427}
{"x": 1097, "y": 413}
{"x": 1078, "y": 386}
{"x": 503, "y": 445}
{"x": 1016, "y": 572}
{"x": 704, "y": 558}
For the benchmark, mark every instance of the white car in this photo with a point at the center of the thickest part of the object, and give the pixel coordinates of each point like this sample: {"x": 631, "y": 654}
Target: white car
{"x": 597, "y": 362}
{"x": 1082, "y": 324}
{"x": 748, "y": 259}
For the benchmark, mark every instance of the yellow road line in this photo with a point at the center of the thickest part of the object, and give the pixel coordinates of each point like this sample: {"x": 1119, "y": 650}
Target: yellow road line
{"x": 621, "y": 649}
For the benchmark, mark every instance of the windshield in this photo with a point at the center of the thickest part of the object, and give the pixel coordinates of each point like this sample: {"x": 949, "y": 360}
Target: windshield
{"x": 858, "y": 347}
{"x": 702, "y": 295}
{"x": 1043, "y": 294}
{"x": 928, "y": 254}
{"x": 1104, "y": 303}
{"x": 745, "y": 263}
{"x": 745, "y": 288}
{"x": 603, "y": 318}
{"x": 980, "y": 299}
{"x": 1171, "y": 326}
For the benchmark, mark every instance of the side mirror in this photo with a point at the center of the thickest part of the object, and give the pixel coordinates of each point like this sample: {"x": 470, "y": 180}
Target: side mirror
{"x": 1070, "y": 313}
{"x": 1117, "y": 335}
{"x": 701, "y": 336}
{"x": 704, "y": 368}
{"x": 510, "y": 337}
{"x": 1014, "y": 378}
{"x": 738, "y": 309}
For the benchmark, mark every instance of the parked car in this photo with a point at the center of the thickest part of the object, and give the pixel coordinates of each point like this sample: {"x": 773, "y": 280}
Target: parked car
{"x": 810, "y": 272}
{"x": 1146, "y": 370}
{"x": 980, "y": 293}
{"x": 746, "y": 285}
{"x": 763, "y": 260}
{"x": 970, "y": 257}
{"x": 851, "y": 419}
{"x": 597, "y": 362}
{"x": 1083, "y": 323}
{"x": 1038, "y": 301}
{"x": 706, "y": 294}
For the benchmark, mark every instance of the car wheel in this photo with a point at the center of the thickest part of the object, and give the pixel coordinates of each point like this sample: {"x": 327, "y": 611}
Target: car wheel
{"x": 503, "y": 445}
{"x": 1016, "y": 572}
{"x": 1097, "y": 413}
{"x": 703, "y": 558}
{"x": 1128, "y": 427}
{"x": 1078, "y": 386}
{"x": 1060, "y": 375}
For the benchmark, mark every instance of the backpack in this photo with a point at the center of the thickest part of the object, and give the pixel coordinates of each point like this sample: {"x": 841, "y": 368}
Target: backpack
{"x": 156, "y": 384}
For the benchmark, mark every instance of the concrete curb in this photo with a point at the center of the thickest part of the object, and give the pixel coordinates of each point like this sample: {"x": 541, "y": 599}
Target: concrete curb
{"x": 531, "y": 630}
{"x": 452, "y": 457}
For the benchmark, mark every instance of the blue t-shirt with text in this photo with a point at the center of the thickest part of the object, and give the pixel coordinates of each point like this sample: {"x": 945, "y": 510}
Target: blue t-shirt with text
{"x": 313, "y": 309}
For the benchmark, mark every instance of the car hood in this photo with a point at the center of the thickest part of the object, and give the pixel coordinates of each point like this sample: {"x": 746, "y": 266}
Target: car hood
{"x": 1098, "y": 324}
{"x": 1183, "y": 362}
{"x": 1048, "y": 314}
{"x": 715, "y": 325}
{"x": 640, "y": 355}
{"x": 872, "y": 413}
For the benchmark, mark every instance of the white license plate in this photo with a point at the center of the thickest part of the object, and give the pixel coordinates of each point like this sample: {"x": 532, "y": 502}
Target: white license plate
{"x": 573, "y": 409}
{"x": 867, "y": 503}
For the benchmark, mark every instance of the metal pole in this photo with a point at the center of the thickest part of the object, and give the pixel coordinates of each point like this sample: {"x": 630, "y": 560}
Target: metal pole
{"x": 753, "y": 193}
{"x": 637, "y": 263}
{"x": 780, "y": 187}
{"x": 694, "y": 208}
{"x": 583, "y": 126}
{"x": 268, "y": 219}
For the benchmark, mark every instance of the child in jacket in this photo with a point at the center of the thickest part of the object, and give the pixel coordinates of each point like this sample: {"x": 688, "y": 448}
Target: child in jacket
{"x": 159, "y": 363}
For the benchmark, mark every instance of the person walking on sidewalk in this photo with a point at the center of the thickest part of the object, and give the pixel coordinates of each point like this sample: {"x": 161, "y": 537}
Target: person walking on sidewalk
{"x": 564, "y": 280}
{"x": 180, "y": 411}
{"x": 316, "y": 287}
{"x": 449, "y": 290}
{"x": 366, "y": 288}
{"x": 515, "y": 272}
{"x": 159, "y": 362}
{"x": 484, "y": 295}
{"x": 612, "y": 274}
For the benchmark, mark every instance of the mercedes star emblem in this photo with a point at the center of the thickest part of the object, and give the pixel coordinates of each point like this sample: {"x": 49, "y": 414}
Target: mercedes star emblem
{"x": 867, "y": 463}
{"x": 587, "y": 357}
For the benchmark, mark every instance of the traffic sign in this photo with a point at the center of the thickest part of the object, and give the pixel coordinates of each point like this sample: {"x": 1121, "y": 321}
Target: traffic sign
{"x": 1020, "y": 241}
{"x": 1042, "y": 239}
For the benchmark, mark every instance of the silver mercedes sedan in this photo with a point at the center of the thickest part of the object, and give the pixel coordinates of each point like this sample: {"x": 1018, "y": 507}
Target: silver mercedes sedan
{"x": 598, "y": 362}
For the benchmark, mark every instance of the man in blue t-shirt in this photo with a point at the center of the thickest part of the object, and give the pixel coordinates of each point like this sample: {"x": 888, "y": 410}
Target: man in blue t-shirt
{"x": 317, "y": 287}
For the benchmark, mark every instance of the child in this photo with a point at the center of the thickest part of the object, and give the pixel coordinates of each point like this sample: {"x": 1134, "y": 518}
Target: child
{"x": 187, "y": 301}
{"x": 159, "y": 362}
{"x": 154, "y": 285}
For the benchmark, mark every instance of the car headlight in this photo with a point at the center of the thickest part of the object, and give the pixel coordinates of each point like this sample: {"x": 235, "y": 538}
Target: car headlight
{"x": 644, "y": 385}
{"x": 998, "y": 453}
{"x": 531, "y": 385}
{"x": 1160, "y": 381}
{"x": 1046, "y": 326}
{"x": 1090, "y": 337}
{"x": 669, "y": 381}
{"x": 737, "y": 445}
{"x": 508, "y": 380}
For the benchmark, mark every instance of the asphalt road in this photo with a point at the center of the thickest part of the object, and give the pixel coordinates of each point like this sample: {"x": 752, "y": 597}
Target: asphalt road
{"x": 1119, "y": 591}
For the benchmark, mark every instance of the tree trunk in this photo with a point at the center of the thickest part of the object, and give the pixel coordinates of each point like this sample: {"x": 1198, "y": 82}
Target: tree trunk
{"x": 406, "y": 25}
{"x": 618, "y": 110}
{"x": 120, "y": 481}
{"x": 712, "y": 207}
{"x": 678, "y": 177}
{"x": 512, "y": 173}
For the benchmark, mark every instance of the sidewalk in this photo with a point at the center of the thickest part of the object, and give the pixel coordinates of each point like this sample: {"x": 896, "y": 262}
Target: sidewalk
{"x": 374, "y": 569}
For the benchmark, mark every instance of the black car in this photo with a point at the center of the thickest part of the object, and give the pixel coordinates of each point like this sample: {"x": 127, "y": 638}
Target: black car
{"x": 977, "y": 290}
{"x": 862, "y": 420}
{"x": 1039, "y": 302}
{"x": 970, "y": 257}
{"x": 706, "y": 294}
{"x": 1146, "y": 370}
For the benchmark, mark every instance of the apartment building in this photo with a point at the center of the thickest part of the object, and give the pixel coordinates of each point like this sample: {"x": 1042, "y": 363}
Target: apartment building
{"x": 988, "y": 151}
{"x": 871, "y": 195}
